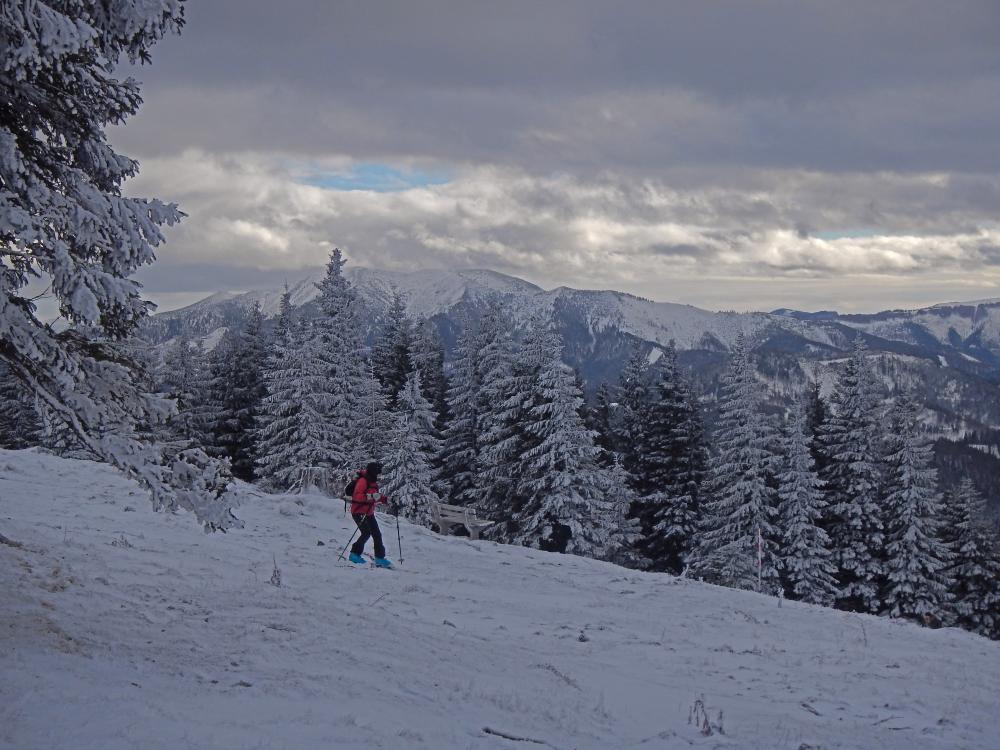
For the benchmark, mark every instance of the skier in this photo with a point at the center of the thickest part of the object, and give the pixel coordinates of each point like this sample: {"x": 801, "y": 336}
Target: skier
{"x": 363, "y": 501}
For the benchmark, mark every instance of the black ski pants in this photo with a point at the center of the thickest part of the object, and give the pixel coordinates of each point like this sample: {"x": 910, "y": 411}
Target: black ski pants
{"x": 369, "y": 528}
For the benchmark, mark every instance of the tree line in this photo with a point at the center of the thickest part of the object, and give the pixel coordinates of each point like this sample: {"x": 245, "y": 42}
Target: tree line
{"x": 835, "y": 503}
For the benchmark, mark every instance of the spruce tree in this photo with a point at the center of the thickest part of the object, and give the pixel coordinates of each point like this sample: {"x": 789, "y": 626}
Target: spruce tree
{"x": 975, "y": 568}
{"x": 916, "y": 582}
{"x": 563, "y": 508}
{"x": 179, "y": 379}
{"x": 460, "y": 451}
{"x": 634, "y": 399}
{"x": 338, "y": 342}
{"x": 428, "y": 360}
{"x": 20, "y": 423}
{"x": 239, "y": 389}
{"x": 500, "y": 408}
{"x": 806, "y": 558}
{"x": 391, "y": 355}
{"x": 737, "y": 544}
{"x": 375, "y": 422}
{"x": 600, "y": 421}
{"x": 411, "y": 447}
{"x": 67, "y": 224}
{"x": 851, "y": 445}
{"x": 817, "y": 413}
{"x": 672, "y": 461}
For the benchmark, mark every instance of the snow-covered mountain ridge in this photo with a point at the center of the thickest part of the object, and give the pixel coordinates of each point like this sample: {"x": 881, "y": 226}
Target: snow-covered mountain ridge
{"x": 972, "y": 329}
{"x": 131, "y": 629}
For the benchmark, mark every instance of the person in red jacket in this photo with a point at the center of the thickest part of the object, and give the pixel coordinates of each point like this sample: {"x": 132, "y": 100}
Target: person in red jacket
{"x": 365, "y": 497}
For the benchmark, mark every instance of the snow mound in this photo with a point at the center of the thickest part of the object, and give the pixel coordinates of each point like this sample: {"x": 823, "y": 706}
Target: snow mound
{"x": 125, "y": 629}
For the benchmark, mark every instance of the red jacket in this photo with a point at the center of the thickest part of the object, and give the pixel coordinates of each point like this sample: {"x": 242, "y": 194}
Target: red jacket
{"x": 365, "y": 496}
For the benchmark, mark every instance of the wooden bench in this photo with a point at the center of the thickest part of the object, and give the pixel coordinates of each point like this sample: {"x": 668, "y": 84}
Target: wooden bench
{"x": 446, "y": 516}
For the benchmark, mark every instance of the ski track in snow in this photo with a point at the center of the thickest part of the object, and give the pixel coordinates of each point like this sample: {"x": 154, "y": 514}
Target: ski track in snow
{"x": 176, "y": 639}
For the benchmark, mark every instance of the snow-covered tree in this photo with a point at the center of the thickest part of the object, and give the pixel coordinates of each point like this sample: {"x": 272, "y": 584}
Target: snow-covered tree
{"x": 500, "y": 405}
{"x": 338, "y": 336}
{"x": 392, "y": 349}
{"x": 239, "y": 392}
{"x": 916, "y": 582}
{"x": 563, "y": 509}
{"x": 20, "y": 423}
{"x": 851, "y": 444}
{"x": 375, "y": 422}
{"x": 411, "y": 447}
{"x": 297, "y": 433}
{"x": 179, "y": 379}
{"x": 633, "y": 402}
{"x": 460, "y": 452}
{"x": 806, "y": 558}
{"x": 428, "y": 359}
{"x": 600, "y": 421}
{"x": 975, "y": 569}
{"x": 817, "y": 414}
{"x": 737, "y": 544}
{"x": 671, "y": 462}
{"x": 66, "y": 226}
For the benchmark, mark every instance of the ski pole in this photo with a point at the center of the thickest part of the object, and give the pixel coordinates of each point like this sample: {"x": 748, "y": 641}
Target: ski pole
{"x": 356, "y": 530}
{"x": 399, "y": 539}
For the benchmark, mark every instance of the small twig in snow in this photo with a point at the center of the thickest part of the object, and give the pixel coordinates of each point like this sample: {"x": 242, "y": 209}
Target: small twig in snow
{"x": 9, "y": 542}
{"x": 514, "y": 737}
{"x": 810, "y": 709}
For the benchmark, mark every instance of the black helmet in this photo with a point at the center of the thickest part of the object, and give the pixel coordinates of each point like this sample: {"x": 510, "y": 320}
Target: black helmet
{"x": 372, "y": 470}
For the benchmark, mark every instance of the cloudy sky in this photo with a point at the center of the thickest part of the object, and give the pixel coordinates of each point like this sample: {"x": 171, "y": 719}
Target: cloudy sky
{"x": 732, "y": 154}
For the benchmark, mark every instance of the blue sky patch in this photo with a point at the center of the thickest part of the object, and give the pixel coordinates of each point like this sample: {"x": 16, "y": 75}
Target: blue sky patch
{"x": 841, "y": 234}
{"x": 380, "y": 178}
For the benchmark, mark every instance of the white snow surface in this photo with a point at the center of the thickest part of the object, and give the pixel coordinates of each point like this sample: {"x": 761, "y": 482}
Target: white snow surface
{"x": 131, "y": 629}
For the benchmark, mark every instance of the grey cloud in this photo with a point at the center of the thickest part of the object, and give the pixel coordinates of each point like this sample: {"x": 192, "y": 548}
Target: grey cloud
{"x": 846, "y": 86}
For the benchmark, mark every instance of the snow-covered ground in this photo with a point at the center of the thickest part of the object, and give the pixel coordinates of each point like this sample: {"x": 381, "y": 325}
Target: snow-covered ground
{"x": 124, "y": 629}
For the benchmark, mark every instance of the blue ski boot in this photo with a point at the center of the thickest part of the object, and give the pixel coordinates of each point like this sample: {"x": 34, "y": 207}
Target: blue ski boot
{"x": 381, "y": 562}
{"x": 357, "y": 559}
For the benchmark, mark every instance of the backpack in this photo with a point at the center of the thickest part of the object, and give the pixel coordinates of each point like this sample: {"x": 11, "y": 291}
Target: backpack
{"x": 349, "y": 489}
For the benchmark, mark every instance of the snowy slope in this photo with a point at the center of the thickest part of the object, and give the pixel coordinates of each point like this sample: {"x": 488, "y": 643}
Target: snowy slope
{"x": 128, "y": 629}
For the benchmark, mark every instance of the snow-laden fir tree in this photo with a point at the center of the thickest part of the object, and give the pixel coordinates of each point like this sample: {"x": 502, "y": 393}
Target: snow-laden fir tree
{"x": 500, "y": 399}
{"x": 20, "y": 423}
{"x": 807, "y": 563}
{"x": 671, "y": 463}
{"x": 737, "y": 545}
{"x": 816, "y": 417}
{"x": 509, "y": 395}
{"x": 623, "y": 528}
{"x": 428, "y": 359}
{"x": 600, "y": 421}
{"x": 916, "y": 582}
{"x": 563, "y": 508}
{"x": 410, "y": 450}
{"x": 633, "y": 403}
{"x": 239, "y": 393}
{"x": 851, "y": 443}
{"x": 375, "y": 422}
{"x": 975, "y": 565}
{"x": 179, "y": 379}
{"x": 67, "y": 225}
{"x": 337, "y": 338}
{"x": 460, "y": 451}
{"x": 297, "y": 435}
{"x": 392, "y": 349}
